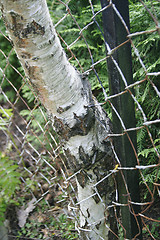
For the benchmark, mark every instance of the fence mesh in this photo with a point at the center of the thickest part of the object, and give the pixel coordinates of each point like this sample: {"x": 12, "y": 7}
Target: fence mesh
{"x": 28, "y": 139}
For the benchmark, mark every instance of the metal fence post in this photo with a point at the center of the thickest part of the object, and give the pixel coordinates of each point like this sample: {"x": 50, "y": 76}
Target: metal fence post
{"x": 115, "y": 34}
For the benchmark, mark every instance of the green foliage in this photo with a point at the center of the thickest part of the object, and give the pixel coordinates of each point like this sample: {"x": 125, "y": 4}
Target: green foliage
{"x": 154, "y": 229}
{"x": 148, "y": 46}
{"x": 30, "y": 230}
{"x": 9, "y": 182}
{"x": 31, "y": 184}
{"x": 120, "y": 232}
{"x": 27, "y": 93}
{"x": 38, "y": 135}
{"x": 9, "y": 176}
{"x": 4, "y": 120}
{"x": 146, "y": 152}
{"x": 65, "y": 225}
{"x": 149, "y": 157}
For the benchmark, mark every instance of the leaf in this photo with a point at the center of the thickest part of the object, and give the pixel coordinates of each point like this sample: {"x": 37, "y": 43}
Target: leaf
{"x": 146, "y": 152}
{"x": 6, "y": 113}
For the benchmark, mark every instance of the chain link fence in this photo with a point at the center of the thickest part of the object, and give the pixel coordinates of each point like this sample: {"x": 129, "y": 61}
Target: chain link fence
{"x": 47, "y": 193}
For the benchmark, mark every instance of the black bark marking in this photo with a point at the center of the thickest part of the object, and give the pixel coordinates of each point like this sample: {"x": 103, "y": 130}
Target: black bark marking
{"x": 15, "y": 24}
{"x": 86, "y": 89}
{"x": 34, "y": 28}
{"x": 53, "y": 53}
{"x": 26, "y": 55}
{"x": 61, "y": 128}
{"x": 84, "y": 123}
{"x": 72, "y": 161}
{"x": 98, "y": 225}
{"x": 15, "y": 17}
{"x": 84, "y": 157}
{"x": 88, "y": 212}
{"x": 35, "y": 58}
{"x": 18, "y": 29}
{"x": 62, "y": 109}
{"x": 82, "y": 178}
{"x": 80, "y": 124}
{"x": 27, "y": 66}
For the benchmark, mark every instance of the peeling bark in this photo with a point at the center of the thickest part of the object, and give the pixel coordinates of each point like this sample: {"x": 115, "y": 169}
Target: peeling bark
{"x": 81, "y": 128}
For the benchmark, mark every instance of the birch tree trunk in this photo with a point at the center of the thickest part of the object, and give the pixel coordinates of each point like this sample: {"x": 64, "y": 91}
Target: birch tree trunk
{"x": 68, "y": 99}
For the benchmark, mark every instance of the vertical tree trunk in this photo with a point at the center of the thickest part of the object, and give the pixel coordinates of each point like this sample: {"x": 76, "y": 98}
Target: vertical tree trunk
{"x": 67, "y": 98}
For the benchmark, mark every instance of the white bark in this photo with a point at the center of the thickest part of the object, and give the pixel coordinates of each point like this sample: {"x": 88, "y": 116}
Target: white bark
{"x": 91, "y": 212}
{"x": 66, "y": 97}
